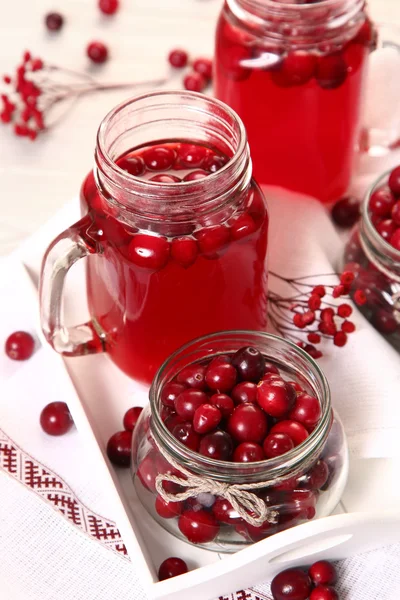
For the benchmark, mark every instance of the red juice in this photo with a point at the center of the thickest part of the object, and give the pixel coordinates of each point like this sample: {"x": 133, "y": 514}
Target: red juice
{"x": 301, "y": 108}
{"x": 151, "y": 292}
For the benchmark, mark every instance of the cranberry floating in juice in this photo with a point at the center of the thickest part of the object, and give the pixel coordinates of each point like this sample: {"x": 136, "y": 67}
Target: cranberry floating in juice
{"x": 174, "y": 231}
{"x": 295, "y": 73}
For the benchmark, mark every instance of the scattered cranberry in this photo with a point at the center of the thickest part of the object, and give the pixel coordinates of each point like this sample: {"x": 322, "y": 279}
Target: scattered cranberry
{"x": 189, "y": 401}
{"x": 224, "y": 403}
{"x": 324, "y": 592}
{"x": 382, "y": 202}
{"x": 109, "y": 7}
{"x": 249, "y": 363}
{"x": 276, "y": 398}
{"x": 394, "y": 181}
{"x": 149, "y": 251}
{"x": 168, "y": 510}
{"x": 292, "y": 584}
{"x": 246, "y": 391}
{"x": 170, "y": 392}
{"x": 55, "y": 418}
{"x": 54, "y": 21}
{"x": 178, "y": 58}
{"x": 306, "y": 410}
{"x": 346, "y": 212}
{"x": 296, "y": 431}
{"x": 185, "y": 434}
{"x": 19, "y": 345}
{"x": 131, "y": 417}
{"x": 193, "y": 376}
{"x": 206, "y": 418}
{"x": 248, "y": 452}
{"x": 97, "y": 52}
{"x": 203, "y": 66}
{"x": 217, "y": 445}
{"x": 194, "y": 82}
{"x": 220, "y": 377}
{"x": 119, "y": 448}
{"x": 172, "y": 567}
{"x": 277, "y": 444}
{"x": 323, "y": 573}
{"x": 248, "y": 423}
{"x": 199, "y": 527}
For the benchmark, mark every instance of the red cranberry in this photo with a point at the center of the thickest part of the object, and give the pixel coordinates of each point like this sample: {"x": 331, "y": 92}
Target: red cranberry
{"x": 167, "y": 412}
{"x": 276, "y": 398}
{"x": 323, "y": 573}
{"x": 188, "y": 401}
{"x": 394, "y": 181}
{"x": 217, "y": 445}
{"x": 384, "y": 321}
{"x": 184, "y": 251}
{"x": 297, "y": 69}
{"x": 296, "y": 431}
{"x": 242, "y": 227}
{"x": 172, "y": 567}
{"x": 55, "y": 418}
{"x": 168, "y": 510}
{"x": 193, "y": 376}
{"x": 212, "y": 239}
{"x": 206, "y": 418}
{"x": 292, "y": 584}
{"x": 109, "y": 7}
{"x": 381, "y": 202}
{"x": 307, "y": 410}
{"x": 346, "y": 212}
{"x": 203, "y": 66}
{"x": 19, "y": 345}
{"x": 224, "y": 512}
{"x": 271, "y": 369}
{"x": 300, "y": 505}
{"x": 233, "y": 62}
{"x": 258, "y": 533}
{"x": 54, "y": 21}
{"x": 248, "y": 452}
{"x": 185, "y": 434}
{"x": 331, "y": 71}
{"x": 324, "y": 592}
{"x": 248, "y": 423}
{"x": 194, "y": 82}
{"x": 119, "y": 448}
{"x": 178, "y": 58}
{"x": 396, "y": 213}
{"x": 395, "y": 239}
{"x": 386, "y": 228}
{"x": 214, "y": 163}
{"x": 159, "y": 158}
{"x": 249, "y": 363}
{"x": 133, "y": 165}
{"x": 172, "y": 420}
{"x": 170, "y": 392}
{"x": 196, "y": 175}
{"x": 165, "y": 178}
{"x": 191, "y": 156}
{"x": 317, "y": 477}
{"x": 220, "y": 377}
{"x": 277, "y": 444}
{"x": 131, "y": 417}
{"x": 199, "y": 527}
{"x": 246, "y": 391}
{"x": 224, "y": 403}
{"x": 149, "y": 251}
{"x": 147, "y": 472}
{"x": 97, "y": 52}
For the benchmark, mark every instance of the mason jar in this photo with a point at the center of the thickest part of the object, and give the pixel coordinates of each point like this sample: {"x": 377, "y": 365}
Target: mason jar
{"x": 174, "y": 230}
{"x": 189, "y": 493}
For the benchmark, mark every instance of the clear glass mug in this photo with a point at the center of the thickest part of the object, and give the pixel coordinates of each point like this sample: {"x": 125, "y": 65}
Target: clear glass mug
{"x": 295, "y": 72}
{"x": 166, "y": 262}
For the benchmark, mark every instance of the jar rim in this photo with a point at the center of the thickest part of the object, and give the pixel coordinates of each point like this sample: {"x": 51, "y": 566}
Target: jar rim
{"x": 284, "y": 462}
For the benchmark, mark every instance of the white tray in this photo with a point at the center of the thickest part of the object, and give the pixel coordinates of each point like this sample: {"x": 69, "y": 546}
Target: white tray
{"x": 103, "y": 395}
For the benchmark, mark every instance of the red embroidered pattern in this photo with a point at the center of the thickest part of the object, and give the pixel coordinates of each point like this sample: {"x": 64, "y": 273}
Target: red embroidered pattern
{"x": 49, "y": 486}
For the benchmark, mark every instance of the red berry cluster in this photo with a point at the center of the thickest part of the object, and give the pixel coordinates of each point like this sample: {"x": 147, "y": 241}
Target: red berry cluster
{"x": 298, "y": 584}
{"x": 201, "y": 74}
{"x": 384, "y": 209}
{"x": 119, "y": 444}
{"x": 313, "y": 313}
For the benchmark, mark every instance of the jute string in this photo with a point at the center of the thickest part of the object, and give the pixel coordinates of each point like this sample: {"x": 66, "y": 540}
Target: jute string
{"x": 249, "y": 506}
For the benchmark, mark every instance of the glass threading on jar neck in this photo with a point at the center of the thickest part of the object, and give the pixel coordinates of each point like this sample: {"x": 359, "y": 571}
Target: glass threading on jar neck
{"x": 289, "y": 358}
{"x": 180, "y": 116}
{"x": 294, "y": 23}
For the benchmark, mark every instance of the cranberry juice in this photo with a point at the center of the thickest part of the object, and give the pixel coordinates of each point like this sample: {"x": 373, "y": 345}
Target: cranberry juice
{"x": 149, "y": 292}
{"x": 301, "y": 109}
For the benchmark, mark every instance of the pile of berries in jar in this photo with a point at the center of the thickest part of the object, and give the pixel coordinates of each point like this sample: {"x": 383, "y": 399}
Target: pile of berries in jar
{"x": 234, "y": 409}
{"x": 373, "y": 255}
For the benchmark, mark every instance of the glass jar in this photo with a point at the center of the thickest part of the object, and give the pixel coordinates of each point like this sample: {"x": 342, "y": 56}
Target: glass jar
{"x": 297, "y": 486}
{"x": 294, "y": 72}
{"x": 175, "y": 231}
{"x": 376, "y": 265}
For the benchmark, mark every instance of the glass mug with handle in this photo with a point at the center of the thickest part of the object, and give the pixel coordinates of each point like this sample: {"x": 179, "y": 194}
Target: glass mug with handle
{"x": 174, "y": 231}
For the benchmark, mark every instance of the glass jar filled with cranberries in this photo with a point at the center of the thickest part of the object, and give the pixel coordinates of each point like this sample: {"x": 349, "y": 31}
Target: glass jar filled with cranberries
{"x": 294, "y": 72}
{"x": 373, "y": 255}
{"x": 239, "y": 441}
{"x": 175, "y": 231}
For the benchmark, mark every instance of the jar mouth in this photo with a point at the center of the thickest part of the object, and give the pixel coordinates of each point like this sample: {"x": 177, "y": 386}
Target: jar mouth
{"x": 125, "y": 127}
{"x": 222, "y": 469}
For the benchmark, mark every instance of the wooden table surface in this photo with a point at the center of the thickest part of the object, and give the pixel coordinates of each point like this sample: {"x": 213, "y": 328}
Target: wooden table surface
{"x": 38, "y": 178}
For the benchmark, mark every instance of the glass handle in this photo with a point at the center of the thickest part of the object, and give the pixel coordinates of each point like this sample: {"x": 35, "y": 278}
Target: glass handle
{"x": 69, "y": 247}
